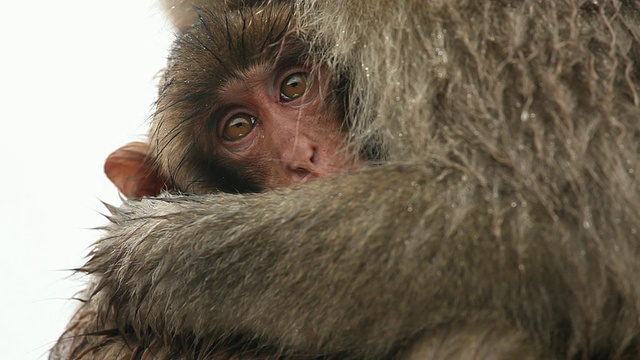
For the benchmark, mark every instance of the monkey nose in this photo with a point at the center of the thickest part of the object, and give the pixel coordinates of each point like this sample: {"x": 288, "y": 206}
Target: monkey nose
{"x": 301, "y": 161}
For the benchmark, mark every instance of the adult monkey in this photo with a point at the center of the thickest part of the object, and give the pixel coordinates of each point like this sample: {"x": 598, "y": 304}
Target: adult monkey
{"x": 503, "y": 224}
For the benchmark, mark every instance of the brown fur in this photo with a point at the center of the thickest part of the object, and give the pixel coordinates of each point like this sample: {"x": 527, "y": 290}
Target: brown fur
{"x": 503, "y": 224}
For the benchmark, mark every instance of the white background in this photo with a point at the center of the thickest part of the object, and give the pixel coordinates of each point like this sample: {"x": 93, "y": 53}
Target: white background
{"x": 77, "y": 80}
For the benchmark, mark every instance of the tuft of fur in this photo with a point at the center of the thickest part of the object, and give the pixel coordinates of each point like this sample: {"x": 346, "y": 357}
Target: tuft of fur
{"x": 503, "y": 223}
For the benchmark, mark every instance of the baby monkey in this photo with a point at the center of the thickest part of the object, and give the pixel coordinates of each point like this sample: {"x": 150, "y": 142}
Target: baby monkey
{"x": 242, "y": 108}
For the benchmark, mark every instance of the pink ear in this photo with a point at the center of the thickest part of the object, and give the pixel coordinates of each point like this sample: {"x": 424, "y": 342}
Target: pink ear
{"x": 133, "y": 171}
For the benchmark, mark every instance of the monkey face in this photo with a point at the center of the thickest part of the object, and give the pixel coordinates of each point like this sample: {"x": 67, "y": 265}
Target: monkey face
{"x": 244, "y": 108}
{"x": 280, "y": 125}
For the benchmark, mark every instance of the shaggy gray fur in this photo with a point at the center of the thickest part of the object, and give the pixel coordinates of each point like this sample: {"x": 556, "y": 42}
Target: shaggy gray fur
{"x": 503, "y": 223}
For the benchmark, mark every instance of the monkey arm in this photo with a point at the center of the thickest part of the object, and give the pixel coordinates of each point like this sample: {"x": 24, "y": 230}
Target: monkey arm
{"x": 305, "y": 276}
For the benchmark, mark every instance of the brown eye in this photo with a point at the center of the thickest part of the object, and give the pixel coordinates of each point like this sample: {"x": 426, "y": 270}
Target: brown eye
{"x": 239, "y": 126}
{"x": 293, "y": 86}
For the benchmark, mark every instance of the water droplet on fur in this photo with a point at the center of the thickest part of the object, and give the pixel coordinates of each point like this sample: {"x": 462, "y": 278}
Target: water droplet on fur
{"x": 521, "y": 267}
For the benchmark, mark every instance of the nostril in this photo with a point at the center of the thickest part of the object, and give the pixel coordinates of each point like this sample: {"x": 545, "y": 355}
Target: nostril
{"x": 302, "y": 158}
{"x": 314, "y": 155}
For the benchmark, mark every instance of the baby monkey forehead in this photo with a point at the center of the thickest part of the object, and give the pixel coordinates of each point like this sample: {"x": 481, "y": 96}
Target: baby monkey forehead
{"x": 223, "y": 46}
{"x": 241, "y": 38}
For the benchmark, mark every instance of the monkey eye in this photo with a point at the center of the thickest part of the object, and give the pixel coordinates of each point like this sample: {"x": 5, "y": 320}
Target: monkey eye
{"x": 293, "y": 86}
{"x": 238, "y": 126}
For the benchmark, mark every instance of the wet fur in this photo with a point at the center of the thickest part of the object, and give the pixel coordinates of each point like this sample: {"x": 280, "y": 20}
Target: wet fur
{"x": 504, "y": 222}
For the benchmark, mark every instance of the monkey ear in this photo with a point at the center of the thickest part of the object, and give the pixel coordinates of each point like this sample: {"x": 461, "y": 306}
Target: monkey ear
{"x": 134, "y": 172}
